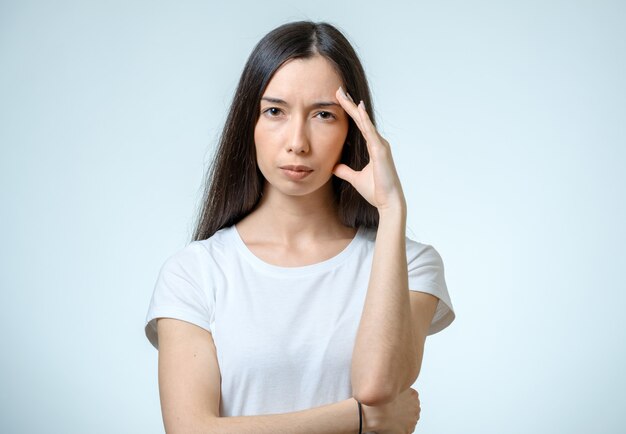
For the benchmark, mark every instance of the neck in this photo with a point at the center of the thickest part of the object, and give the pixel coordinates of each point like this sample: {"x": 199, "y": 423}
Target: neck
{"x": 294, "y": 219}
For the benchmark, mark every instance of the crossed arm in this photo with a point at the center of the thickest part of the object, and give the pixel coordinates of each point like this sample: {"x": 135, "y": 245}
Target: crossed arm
{"x": 386, "y": 358}
{"x": 189, "y": 388}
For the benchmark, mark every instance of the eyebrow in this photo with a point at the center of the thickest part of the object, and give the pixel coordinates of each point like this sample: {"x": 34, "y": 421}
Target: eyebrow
{"x": 316, "y": 104}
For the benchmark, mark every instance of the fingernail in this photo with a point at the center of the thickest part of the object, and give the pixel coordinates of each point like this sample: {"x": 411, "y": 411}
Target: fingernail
{"x": 362, "y": 104}
{"x": 343, "y": 93}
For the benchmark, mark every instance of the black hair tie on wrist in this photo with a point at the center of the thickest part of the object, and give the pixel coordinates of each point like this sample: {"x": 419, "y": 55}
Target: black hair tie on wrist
{"x": 360, "y": 419}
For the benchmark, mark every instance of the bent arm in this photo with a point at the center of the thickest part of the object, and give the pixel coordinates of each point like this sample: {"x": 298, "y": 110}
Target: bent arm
{"x": 189, "y": 386}
{"x": 388, "y": 350}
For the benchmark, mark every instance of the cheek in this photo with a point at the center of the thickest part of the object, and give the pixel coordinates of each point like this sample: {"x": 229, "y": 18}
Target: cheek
{"x": 332, "y": 139}
{"x": 266, "y": 134}
{"x": 262, "y": 139}
{"x": 259, "y": 134}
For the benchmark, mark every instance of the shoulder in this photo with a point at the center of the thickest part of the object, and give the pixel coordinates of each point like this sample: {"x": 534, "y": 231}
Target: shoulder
{"x": 199, "y": 255}
{"x": 415, "y": 249}
{"x": 422, "y": 252}
{"x": 217, "y": 244}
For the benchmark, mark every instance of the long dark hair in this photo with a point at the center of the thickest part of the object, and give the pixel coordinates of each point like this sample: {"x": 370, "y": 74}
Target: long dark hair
{"x": 234, "y": 183}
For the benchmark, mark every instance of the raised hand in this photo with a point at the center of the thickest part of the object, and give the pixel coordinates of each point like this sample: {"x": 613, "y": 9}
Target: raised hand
{"x": 378, "y": 182}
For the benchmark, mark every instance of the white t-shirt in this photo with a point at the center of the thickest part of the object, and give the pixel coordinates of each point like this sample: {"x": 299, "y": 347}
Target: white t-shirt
{"x": 284, "y": 335}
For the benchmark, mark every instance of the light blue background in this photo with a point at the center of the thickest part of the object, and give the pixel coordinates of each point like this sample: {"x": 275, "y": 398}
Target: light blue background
{"x": 507, "y": 122}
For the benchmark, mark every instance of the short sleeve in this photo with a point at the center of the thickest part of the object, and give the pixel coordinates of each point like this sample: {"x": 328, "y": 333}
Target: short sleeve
{"x": 182, "y": 291}
{"x": 426, "y": 274}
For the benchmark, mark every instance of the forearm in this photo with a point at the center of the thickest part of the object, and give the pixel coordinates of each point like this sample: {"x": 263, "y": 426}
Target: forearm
{"x": 337, "y": 418}
{"x": 383, "y": 356}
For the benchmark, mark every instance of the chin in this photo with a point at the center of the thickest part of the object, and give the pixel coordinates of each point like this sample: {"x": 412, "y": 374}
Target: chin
{"x": 295, "y": 190}
{"x": 298, "y": 189}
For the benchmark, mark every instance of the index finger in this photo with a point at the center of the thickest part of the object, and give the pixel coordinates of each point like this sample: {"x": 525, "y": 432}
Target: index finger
{"x": 362, "y": 119}
{"x": 350, "y": 107}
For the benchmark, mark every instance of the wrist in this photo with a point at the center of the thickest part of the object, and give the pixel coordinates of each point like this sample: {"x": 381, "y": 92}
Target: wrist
{"x": 370, "y": 422}
{"x": 396, "y": 212}
{"x": 396, "y": 205}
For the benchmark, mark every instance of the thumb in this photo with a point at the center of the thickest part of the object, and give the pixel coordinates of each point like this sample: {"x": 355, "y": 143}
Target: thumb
{"x": 344, "y": 172}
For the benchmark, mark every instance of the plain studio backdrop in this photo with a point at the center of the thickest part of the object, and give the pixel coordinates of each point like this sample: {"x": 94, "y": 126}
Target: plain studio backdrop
{"x": 507, "y": 123}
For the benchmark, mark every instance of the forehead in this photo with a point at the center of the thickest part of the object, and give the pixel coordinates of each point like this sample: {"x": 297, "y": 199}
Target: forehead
{"x": 304, "y": 78}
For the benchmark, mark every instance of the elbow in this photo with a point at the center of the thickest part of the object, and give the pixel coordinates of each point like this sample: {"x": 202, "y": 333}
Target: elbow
{"x": 374, "y": 396}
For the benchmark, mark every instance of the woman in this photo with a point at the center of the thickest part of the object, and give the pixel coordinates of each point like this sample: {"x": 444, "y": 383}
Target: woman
{"x": 300, "y": 306}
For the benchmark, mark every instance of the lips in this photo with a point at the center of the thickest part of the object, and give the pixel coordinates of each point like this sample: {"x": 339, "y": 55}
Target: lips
{"x": 296, "y": 172}
{"x": 294, "y": 168}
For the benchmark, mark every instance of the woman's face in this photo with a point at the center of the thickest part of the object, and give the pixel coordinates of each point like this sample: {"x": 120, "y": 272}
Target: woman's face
{"x": 301, "y": 130}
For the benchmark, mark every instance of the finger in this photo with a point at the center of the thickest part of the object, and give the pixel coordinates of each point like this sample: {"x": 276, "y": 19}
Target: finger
{"x": 349, "y": 106}
{"x": 344, "y": 172}
{"x": 364, "y": 123}
{"x": 369, "y": 129}
{"x": 377, "y": 147}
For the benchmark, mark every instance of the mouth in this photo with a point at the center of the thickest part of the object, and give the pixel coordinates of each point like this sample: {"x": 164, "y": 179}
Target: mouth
{"x": 293, "y": 168}
{"x": 296, "y": 173}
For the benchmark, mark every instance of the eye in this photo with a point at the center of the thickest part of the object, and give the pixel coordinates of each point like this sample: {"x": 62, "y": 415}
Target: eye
{"x": 272, "y": 112}
{"x": 326, "y": 115}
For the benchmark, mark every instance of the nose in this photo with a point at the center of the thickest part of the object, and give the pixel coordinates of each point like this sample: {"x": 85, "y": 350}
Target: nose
{"x": 298, "y": 141}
